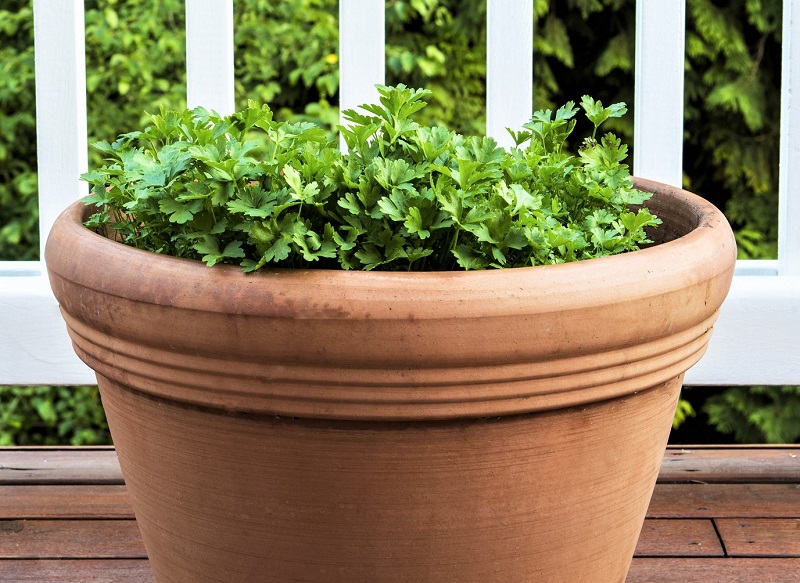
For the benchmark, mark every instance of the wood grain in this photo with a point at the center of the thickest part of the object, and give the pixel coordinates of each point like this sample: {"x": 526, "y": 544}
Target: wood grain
{"x": 724, "y": 570}
{"x": 731, "y": 465}
{"x": 760, "y": 537}
{"x": 725, "y": 501}
{"x": 65, "y": 517}
{"x": 679, "y": 538}
{"x": 59, "y": 502}
{"x": 71, "y": 539}
{"x": 74, "y": 571}
{"x": 63, "y": 467}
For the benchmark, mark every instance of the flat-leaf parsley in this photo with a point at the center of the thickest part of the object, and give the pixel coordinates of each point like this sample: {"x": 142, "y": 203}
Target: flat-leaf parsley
{"x": 250, "y": 190}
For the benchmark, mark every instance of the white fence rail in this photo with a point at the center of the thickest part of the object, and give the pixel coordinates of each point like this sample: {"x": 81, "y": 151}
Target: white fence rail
{"x": 758, "y": 334}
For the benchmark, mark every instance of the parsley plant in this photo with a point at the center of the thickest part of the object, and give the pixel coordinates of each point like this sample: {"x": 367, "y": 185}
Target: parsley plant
{"x": 250, "y": 190}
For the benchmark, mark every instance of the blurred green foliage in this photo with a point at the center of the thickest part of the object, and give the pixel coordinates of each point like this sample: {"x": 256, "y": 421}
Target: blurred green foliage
{"x": 682, "y": 413}
{"x": 287, "y": 54}
{"x": 757, "y": 414}
{"x": 52, "y": 416}
{"x": 732, "y": 129}
{"x": 19, "y": 237}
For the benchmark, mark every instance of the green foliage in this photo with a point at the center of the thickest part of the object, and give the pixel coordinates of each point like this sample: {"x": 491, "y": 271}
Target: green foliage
{"x": 441, "y": 45}
{"x": 757, "y": 414}
{"x": 19, "y": 212}
{"x": 732, "y": 133}
{"x": 682, "y": 413}
{"x": 732, "y": 129}
{"x": 52, "y": 416}
{"x": 250, "y": 190}
{"x": 731, "y": 157}
{"x": 731, "y": 136}
{"x": 134, "y": 60}
{"x": 287, "y": 55}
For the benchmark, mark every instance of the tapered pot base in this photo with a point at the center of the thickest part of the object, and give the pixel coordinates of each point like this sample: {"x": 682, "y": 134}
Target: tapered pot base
{"x": 549, "y": 496}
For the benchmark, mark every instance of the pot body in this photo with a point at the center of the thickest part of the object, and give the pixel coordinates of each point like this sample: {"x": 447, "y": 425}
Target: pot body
{"x": 324, "y": 426}
{"x": 556, "y": 496}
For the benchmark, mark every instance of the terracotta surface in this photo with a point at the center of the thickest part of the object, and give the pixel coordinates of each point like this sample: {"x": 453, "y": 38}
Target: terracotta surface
{"x": 553, "y": 496}
{"x": 329, "y": 426}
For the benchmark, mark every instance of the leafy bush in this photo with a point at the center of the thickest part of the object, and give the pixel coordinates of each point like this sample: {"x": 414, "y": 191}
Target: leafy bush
{"x": 732, "y": 146}
{"x": 757, "y": 414}
{"x": 19, "y": 237}
{"x": 52, "y": 416}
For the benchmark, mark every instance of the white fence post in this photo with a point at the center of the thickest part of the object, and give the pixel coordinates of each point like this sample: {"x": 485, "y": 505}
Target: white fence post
{"x": 789, "y": 188}
{"x": 509, "y": 67}
{"x": 209, "y": 55}
{"x": 60, "y": 107}
{"x": 362, "y": 51}
{"x": 658, "y": 100}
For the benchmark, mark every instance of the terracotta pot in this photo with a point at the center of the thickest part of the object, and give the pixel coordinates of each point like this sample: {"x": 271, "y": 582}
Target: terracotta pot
{"x": 331, "y": 426}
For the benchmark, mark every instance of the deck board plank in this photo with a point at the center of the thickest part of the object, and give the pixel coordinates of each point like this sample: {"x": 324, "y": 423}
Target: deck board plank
{"x": 725, "y": 501}
{"x": 64, "y": 502}
{"x": 760, "y": 537}
{"x": 95, "y": 539}
{"x": 70, "y": 539}
{"x": 727, "y": 570}
{"x": 35, "y": 466}
{"x": 74, "y": 571}
{"x": 679, "y": 538}
{"x": 731, "y": 464}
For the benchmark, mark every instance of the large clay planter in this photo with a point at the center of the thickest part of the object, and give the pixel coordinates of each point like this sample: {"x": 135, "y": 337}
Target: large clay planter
{"x": 330, "y": 426}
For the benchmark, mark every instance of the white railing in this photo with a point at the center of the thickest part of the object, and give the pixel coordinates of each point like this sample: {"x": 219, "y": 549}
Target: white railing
{"x": 758, "y": 335}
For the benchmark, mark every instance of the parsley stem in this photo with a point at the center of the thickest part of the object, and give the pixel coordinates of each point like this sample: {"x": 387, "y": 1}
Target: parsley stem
{"x": 455, "y": 237}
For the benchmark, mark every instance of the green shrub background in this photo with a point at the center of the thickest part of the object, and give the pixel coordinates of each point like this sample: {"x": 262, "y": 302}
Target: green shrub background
{"x": 286, "y": 55}
{"x": 52, "y": 416}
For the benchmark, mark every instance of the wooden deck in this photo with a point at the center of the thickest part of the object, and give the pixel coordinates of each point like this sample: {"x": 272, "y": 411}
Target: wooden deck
{"x": 718, "y": 514}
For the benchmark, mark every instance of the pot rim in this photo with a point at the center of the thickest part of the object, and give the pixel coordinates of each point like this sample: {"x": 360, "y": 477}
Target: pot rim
{"x": 580, "y": 279}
